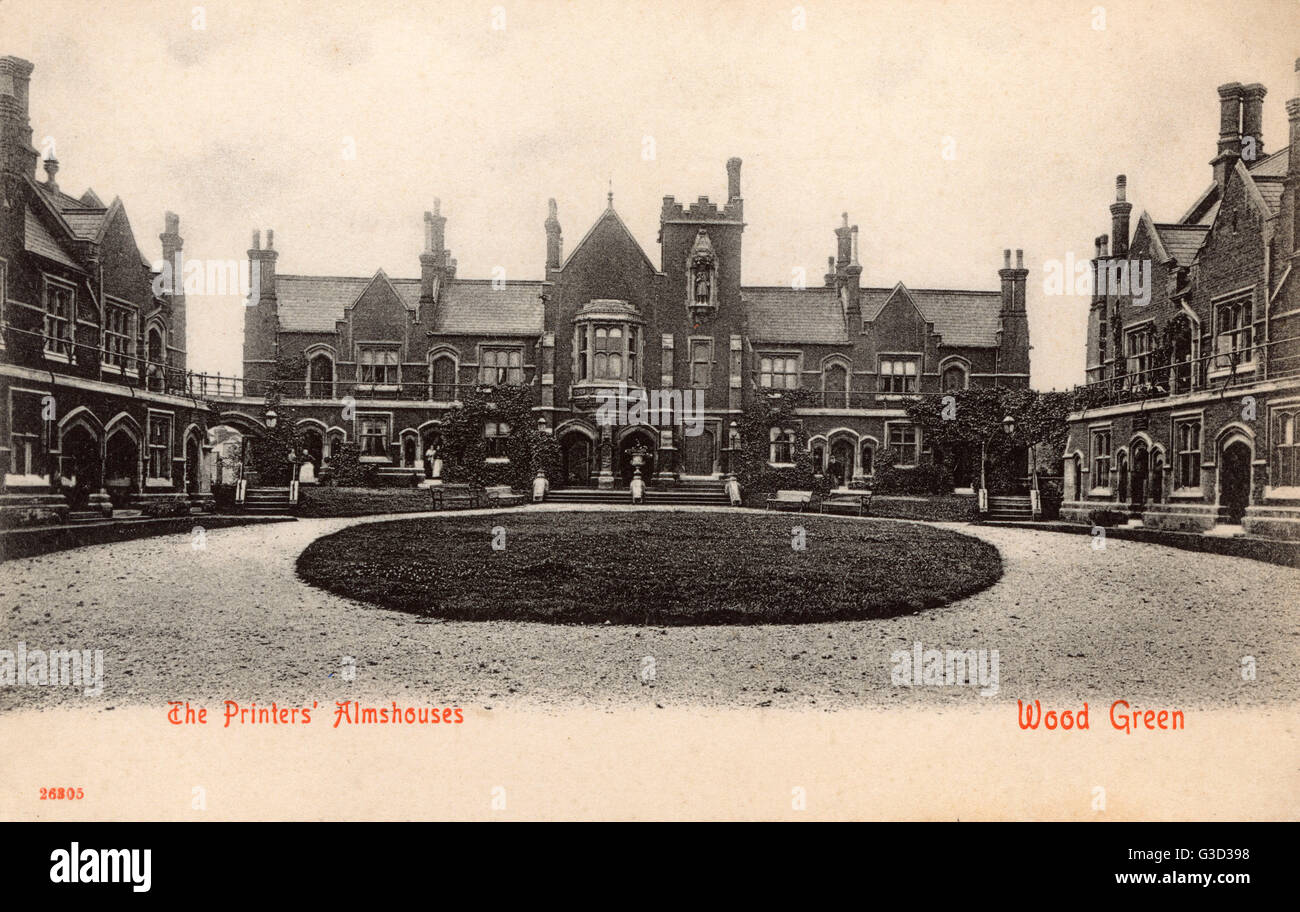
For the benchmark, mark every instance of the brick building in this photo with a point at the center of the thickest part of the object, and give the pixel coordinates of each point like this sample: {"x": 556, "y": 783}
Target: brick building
{"x": 1193, "y": 395}
{"x": 90, "y": 356}
{"x": 379, "y": 360}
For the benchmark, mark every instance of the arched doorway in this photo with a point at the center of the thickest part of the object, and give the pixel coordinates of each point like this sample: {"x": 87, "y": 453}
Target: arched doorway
{"x": 1234, "y": 480}
{"x": 81, "y": 464}
{"x": 193, "y": 463}
{"x": 1122, "y": 463}
{"x": 575, "y": 459}
{"x": 841, "y": 465}
{"x": 637, "y": 442}
{"x": 313, "y": 441}
{"x": 700, "y": 453}
{"x": 412, "y": 455}
{"x": 1075, "y": 468}
{"x": 430, "y": 448}
{"x": 868, "y": 459}
{"x": 121, "y": 467}
{"x": 1138, "y": 481}
{"x": 1157, "y": 480}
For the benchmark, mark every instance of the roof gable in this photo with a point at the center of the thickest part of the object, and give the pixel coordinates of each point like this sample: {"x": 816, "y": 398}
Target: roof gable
{"x": 609, "y": 216}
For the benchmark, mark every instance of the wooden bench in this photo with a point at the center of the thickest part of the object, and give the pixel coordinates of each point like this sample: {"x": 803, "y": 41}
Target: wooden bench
{"x": 790, "y": 500}
{"x": 856, "y": 501}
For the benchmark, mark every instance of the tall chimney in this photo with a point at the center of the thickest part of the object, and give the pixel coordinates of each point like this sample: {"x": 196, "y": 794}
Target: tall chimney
{"x": 433, "y": 261}
{"x": 261, "y": 267}
{"x": 554, "y": 238}
{"x": 844, "y": 236}
{"x": 1013, "y": 282}
{"x": 733, "y": 179}
{"x": 1229, "y": 131}
{"x": 1252, "y": 122}
{"x": 1119, "y": 213}
{"x": 17, "y": 156}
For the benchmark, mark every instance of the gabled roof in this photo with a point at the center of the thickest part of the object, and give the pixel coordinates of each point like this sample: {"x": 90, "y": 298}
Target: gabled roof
{"x": 782, "y": 314}
{"x": 37, "y": 239}
{"x": 965, "y": 318}
{"x": 1181, "y": 242}
{"x": 608, "y": 214}
{"x": 316, "y": 303}
{"x": 1256, "y": 174}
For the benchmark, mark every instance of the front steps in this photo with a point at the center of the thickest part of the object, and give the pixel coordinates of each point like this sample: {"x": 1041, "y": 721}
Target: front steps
{"x": 267, "y": 501}
{"x": 1010, "y": 508}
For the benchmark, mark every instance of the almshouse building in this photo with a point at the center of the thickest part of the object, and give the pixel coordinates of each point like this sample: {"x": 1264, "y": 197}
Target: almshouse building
{"x": 379, "y": 360}
{"x": 1194, "y": 395}
{"x": 92, "y": 359}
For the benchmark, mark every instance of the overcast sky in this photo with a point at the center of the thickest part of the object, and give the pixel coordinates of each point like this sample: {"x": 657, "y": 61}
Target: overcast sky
{"x": 250, "y": 122}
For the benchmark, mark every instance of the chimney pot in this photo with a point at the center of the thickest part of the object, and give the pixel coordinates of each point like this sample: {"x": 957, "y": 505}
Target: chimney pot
{"x": 1006, "y": 259}
{"x": 1020, "y": 259}
{"x": 257, "y": 240}
{"x": 270, "y": 238}
{"x": 1121, "y": 186}
{"x": 51, "y": 169}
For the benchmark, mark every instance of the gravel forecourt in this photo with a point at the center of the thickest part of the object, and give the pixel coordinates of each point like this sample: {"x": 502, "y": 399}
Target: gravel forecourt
{"x": 231, "y": 620}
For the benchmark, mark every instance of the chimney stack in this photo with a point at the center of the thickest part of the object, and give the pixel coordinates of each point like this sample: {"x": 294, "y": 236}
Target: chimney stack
{"x": 1013, "y": 282}
{"x": 554, "y": 238}
{"x": 733, "y": 179}
{"x": 172, "y": 242}
{"x": 844, "y": 236}
{"x": 261, "y": 266}
{"x": 434, "y": 260}
{"x": 17, "y": 156}
{"x": 1229, "y": 131}
{"x": 1119, "y": 214}
{"x": 1252, "y": 122}
{"x": 51, "y": 169}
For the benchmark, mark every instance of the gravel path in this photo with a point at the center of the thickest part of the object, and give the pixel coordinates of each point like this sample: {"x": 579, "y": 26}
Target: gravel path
{"x": 1142, "y": 622}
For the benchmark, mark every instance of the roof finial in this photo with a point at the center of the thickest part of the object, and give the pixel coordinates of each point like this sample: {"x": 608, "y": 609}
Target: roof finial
{"x": 610, "y": 195}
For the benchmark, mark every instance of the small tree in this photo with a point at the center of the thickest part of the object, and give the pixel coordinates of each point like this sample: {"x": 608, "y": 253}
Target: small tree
{"x": 755, "y": 426}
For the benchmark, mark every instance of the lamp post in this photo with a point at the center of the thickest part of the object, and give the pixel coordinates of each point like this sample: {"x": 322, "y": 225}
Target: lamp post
{"x": 272, "y": 419}
{"x": 1008, "y": 425}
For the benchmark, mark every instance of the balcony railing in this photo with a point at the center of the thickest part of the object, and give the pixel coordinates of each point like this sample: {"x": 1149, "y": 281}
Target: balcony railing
{"x": 844, "y": 399}
{"x": 216, "y": 386}
{"x": 1214, "y": 372}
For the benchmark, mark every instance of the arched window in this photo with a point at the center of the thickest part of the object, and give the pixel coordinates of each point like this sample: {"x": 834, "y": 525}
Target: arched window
{"x": 868, "y": 466}
{"x": 954, "y": 378}
{"x": 442, "y": 378}
{"x": 157, "y": 357}
{"x": 320, "y": 376}
{"x": 835, "y": 385}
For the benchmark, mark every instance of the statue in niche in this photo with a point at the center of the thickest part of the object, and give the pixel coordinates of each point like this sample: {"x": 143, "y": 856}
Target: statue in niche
{"x": 703, "y": 266}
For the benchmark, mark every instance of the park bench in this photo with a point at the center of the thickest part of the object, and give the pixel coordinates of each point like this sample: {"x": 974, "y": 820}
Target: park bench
{"x": 790, "y": 500}
{"x": 858, "y": 502}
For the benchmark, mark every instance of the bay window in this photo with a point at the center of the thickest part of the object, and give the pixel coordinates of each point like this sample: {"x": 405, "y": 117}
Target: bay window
{"x": 608, "y": 351}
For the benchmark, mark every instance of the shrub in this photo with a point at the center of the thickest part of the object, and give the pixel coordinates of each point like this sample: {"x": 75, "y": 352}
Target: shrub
{"x": 1050, "y": 496}
{"x": 348, "y": 471}
{"x": 1107, "y": 517}
{"x": 170, "y": 505}
{"x": 925, "y": 478}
